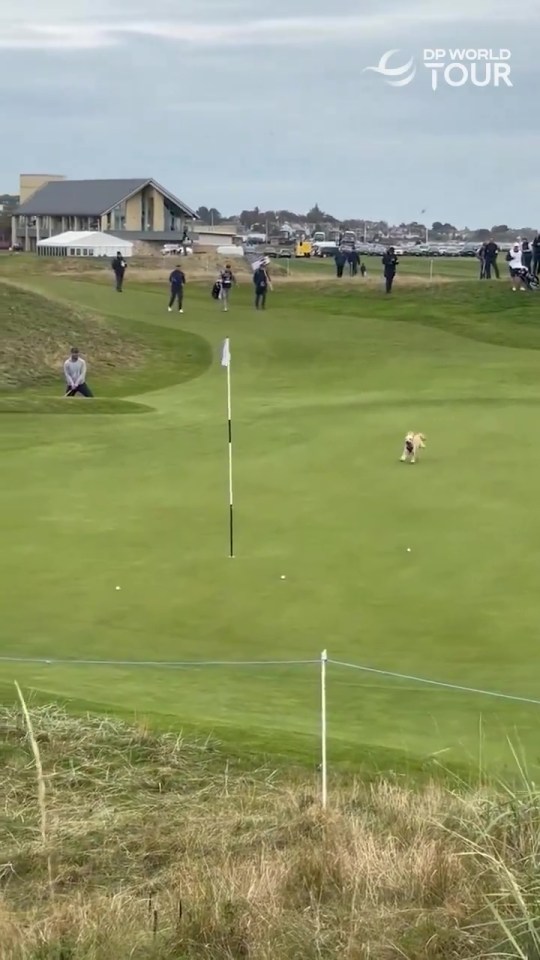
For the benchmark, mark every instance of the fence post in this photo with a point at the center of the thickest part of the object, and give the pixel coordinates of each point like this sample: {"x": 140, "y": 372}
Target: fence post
{"x": 324, "y": 770}
{"x": 431, "y": 271}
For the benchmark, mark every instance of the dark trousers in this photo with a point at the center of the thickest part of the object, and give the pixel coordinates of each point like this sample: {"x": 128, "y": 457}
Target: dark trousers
{"x": 339, "y": 269}
{"x": 536, "y": 263}
{"x": 389, "y": 279}
{"x": 527, "y": 259}
{"x": 177, "y": 293}
{"x": 490, "y": 265}
{"x": 260, "y": 298}
{"x": 83, "y": 389}
{"x": 119, "y": 281}
{"x": 482, "y": 269}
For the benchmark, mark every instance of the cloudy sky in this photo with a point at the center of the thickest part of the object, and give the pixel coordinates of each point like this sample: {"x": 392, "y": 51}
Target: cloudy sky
{"x": 230, "y": 103}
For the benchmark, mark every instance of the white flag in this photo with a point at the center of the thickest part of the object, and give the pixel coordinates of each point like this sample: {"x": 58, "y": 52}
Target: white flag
{"x": 226, "y": 354}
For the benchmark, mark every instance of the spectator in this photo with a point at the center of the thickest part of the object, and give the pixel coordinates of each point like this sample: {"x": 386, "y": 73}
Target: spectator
{"x": 177, "y": 282}
{"x": 340, "y": 259}
{"x": 262, "y": 285}
{"x": 226, "y": 282}
{"x": 481, "y": 255}
{"x": 491, "y": 251}
{"x": 119, "y": 269}
{"x": 75, "y": 375}
{"x": 354, "y": 262}
{"x": 526, "y": 255}
{"x": 515, "y": 266}
{"x": 390, "y": 264}
{"x": 536, "y": 254}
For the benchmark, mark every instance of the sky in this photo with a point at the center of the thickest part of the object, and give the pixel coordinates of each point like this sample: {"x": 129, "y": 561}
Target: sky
{"x": 233, "y": 104}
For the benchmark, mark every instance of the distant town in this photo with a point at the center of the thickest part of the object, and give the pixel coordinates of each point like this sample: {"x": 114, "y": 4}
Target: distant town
{"x": 285, "y": 228}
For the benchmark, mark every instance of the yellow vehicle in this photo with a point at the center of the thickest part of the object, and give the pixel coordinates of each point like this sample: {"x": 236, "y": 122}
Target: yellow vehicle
{"x": 304, "y": 248}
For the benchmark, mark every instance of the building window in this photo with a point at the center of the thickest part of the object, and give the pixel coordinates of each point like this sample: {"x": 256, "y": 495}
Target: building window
{"x": 119, "y": 217}
{"x": 72, "y": 251}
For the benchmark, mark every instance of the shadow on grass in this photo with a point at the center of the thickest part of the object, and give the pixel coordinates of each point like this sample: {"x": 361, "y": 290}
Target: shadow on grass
{"x": 109, "y": 406}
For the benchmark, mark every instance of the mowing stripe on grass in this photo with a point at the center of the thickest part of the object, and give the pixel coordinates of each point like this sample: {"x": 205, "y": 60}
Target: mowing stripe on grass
{"x": 186, "y": 664}
{"x": 179, "y": 664}
{"x": 434, "y": 683}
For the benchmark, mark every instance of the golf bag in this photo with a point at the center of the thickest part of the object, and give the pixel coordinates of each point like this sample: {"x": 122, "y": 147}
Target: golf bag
{"x": 529, "y": 279}
{"x": 216, "y": 290}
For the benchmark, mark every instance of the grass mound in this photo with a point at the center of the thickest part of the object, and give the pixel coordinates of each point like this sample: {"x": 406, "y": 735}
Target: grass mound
{"x": 160, "y": 848}
{"x": 36, "y": 334}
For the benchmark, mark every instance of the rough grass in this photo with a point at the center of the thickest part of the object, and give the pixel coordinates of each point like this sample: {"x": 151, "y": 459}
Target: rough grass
{"x": 160, "y": 848}
{"x": 36, "y": 334}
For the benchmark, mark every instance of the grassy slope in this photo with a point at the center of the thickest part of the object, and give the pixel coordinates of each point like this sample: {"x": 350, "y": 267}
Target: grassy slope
{"x": 324, "y": 387}
{"x": 158, "y": 848}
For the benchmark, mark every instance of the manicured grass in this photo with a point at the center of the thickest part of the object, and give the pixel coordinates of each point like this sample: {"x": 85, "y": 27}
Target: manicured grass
{"x": 325, "y": 384}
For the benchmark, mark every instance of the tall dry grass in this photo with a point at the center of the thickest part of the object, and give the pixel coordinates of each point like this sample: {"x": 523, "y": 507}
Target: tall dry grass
{"x": 163, "y": 849}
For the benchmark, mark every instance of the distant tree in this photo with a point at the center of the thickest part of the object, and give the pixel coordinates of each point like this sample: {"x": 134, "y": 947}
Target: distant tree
{"x": 482, "y": 234}
{"x": 204, "y": 214}
{"x": 315, "y": 215}
{"x": 500, "y": 228}
{"x": 249, "y": 217}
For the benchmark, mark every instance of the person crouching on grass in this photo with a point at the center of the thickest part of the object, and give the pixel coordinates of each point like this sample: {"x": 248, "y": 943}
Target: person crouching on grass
{"x": 75, "y": 374}
{"x": 177, "y": 281}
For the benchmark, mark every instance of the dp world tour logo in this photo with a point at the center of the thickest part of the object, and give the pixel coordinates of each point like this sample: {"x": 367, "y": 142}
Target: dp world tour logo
{"x": 394, "y": 76}
{"x": 455, "y": 68}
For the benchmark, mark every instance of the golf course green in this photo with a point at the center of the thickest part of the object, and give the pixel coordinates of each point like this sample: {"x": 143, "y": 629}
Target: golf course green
{"x": 429, "y": 571}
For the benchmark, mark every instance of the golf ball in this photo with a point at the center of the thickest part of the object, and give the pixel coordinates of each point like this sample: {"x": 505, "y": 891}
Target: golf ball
{"x": 118, "y": 588}
{"x": 283, "y": 577}
{"x": 408, "y": 549}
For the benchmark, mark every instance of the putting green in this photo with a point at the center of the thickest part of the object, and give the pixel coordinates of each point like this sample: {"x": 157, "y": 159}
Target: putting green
{"x": 325, "y": 385}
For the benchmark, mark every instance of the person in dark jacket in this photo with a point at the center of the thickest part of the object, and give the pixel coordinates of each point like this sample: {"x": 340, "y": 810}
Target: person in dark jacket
{"x": 119, "y": 269}
{"x": 526, "y": 255}
{"x": 262, "y": 285}
{"x": 340, "y": 259}
{"x": 491, "y": 251}
{"x": 481, "y": 255}
{"x": 177, "y": 282}
{"x": 354, "y": 262}
{"x": 390, "y": 263}
{"x": 536, "y": 254}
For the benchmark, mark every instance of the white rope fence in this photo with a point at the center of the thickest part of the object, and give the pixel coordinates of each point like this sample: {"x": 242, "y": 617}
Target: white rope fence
{"x": 323, "y": 662}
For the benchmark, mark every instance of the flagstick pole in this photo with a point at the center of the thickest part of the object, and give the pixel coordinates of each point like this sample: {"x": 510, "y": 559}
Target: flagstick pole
{"x": 231, "y": 499}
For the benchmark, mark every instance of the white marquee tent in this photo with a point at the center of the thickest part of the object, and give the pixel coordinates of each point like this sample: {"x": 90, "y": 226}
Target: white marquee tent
{"x": 84, "y": 244}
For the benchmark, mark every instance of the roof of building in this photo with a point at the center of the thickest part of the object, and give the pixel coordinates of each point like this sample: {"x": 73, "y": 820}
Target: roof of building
{"x": 83, "y": 238}
{"x": 151, "y": 236}
{"x": 89, "y": 198}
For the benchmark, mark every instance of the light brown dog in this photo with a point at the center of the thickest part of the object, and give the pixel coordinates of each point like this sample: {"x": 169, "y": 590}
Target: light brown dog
{"x": 414, "y": 442}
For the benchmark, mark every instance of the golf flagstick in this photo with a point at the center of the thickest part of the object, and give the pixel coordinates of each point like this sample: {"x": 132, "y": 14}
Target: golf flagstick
{"x": 226, "y": 362}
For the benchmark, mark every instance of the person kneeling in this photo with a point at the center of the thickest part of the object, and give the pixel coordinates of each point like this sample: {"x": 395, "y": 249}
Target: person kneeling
{"x": 75, "y": 374}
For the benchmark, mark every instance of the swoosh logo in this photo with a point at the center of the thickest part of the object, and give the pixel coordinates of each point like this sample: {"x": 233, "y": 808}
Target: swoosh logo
{"x": 394, "y": 76}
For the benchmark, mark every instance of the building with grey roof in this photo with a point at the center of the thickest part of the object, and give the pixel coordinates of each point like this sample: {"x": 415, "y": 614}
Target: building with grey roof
{"x": 139, "y": 207}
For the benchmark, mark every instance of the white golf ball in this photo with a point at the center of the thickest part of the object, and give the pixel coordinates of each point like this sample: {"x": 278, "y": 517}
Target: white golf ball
{"x": 118, "y": 588}
{"x": 283, "y": 577}
{"x": 408, "y": 549}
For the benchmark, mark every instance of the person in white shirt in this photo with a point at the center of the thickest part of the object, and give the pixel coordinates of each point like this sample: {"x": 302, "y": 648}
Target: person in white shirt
{"x": 515, "y": 265}
{"x": 75, "y": 374}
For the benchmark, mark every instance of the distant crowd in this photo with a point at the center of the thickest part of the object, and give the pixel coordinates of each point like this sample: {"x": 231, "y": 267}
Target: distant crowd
{"x": 350, "y": 257}
{"x": 522, "y": 254}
